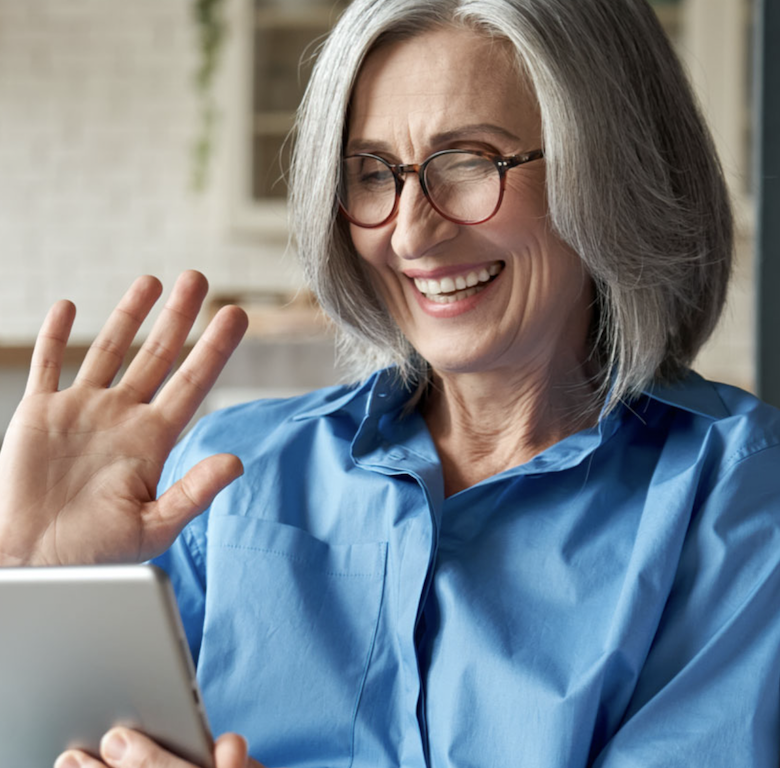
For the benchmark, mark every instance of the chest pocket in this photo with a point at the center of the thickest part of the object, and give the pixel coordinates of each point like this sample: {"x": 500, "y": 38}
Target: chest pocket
{"x": 289, "y": 629}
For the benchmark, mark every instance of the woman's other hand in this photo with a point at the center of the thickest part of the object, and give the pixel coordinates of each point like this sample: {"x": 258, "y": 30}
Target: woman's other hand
{"x": 79, "y": 467}
{"x": 123, "y": 748}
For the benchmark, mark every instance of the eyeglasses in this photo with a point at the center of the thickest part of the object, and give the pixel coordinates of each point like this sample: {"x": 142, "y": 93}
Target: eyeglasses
{"x": 463, "y": 186}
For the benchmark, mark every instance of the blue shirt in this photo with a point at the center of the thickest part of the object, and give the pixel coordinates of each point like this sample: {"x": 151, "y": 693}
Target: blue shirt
{"x": 613, "y": 602}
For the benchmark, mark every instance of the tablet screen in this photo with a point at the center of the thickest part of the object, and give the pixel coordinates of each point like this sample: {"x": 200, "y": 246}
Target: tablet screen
{"x": 86, "y": 648}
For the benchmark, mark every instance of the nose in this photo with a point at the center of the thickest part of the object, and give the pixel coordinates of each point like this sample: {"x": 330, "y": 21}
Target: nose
{"x": 417, "y": 227}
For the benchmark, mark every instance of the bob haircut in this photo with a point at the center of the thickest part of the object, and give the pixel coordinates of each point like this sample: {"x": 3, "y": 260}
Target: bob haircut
{"x": 634, "y": 184}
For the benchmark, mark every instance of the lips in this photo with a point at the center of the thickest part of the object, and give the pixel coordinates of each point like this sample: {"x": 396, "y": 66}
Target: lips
{"x": 454, "y": 288}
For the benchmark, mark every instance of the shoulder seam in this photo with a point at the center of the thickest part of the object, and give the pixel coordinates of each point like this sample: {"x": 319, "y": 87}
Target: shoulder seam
{"x": 745, "y": 452}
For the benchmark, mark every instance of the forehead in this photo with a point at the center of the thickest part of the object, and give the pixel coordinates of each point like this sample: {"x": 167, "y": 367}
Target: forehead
{"x": 434, "y": 84}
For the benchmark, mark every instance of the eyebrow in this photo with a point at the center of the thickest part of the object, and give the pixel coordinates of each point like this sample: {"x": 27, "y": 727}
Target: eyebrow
{"x": 445, "y": 137}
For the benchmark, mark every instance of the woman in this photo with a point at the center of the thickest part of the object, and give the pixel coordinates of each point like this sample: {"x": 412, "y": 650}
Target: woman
{"x": 536, "y": 538}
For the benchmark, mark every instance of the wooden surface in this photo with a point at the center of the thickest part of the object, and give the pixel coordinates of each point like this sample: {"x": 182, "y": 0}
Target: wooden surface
{"x": 18, "y": 356}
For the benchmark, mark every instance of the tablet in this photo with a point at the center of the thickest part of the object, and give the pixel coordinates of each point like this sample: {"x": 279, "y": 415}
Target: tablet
{"x": 85, "y": 648}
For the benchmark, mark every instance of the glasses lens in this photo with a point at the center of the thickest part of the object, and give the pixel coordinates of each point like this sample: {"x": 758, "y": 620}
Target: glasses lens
{"x": 462, "y": 185}
{"x": 367, "y": 189}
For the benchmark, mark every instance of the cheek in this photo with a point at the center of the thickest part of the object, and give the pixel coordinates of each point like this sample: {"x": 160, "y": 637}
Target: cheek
{"x": 525, "y": 194}
{"x": 567, "y": 282}
{"x": 522, "y": 225}
{"x": 370, "y": 247}
{"x": 367, "y": 244}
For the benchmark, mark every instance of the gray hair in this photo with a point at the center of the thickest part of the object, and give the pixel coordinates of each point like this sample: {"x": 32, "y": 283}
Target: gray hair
{"x": 634, "y": 184}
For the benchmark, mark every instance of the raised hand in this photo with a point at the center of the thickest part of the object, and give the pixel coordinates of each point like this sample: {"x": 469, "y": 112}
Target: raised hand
{"x": 79, "y": 467}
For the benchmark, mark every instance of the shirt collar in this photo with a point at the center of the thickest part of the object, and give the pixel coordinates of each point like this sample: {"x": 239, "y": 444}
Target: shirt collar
{"x": 693, "y": 393}
{"x": 385, "y": 394}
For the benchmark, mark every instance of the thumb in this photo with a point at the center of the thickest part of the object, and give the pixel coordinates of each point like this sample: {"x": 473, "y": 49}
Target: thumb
{"x": 231, "y": 751}
{"x": 192, "y": 494}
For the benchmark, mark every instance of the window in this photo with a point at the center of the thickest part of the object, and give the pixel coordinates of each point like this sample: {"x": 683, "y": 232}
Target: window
{"x": 276, "y": 42}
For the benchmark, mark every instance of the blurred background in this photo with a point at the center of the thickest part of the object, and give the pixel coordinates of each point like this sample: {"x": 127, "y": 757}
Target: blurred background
{"x": 149, "y": 137}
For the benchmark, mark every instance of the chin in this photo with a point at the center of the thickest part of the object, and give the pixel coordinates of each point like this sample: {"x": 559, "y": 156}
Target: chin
{"x": 457, "y": 363}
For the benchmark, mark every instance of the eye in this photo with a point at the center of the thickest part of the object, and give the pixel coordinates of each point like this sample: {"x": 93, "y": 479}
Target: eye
{"x": 463, "y": 166}
{"x": 467, "y": 163}
{"x": 367, "y": 173}
{"x": 375, "y": 177}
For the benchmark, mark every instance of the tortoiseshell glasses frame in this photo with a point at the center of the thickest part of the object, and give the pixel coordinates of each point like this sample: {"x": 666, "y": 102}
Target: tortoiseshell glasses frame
{"x": 454, "y": 174}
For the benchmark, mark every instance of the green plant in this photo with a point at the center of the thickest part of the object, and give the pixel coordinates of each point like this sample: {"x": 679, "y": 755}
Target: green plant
{"x": 212, "y": 30}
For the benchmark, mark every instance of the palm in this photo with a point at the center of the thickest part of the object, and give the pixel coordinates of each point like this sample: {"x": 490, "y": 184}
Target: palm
{"x": 85, "y": 457}
{"x": 80, "y": 466}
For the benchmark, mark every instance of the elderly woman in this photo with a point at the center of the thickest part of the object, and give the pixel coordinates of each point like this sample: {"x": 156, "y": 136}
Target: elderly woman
{"x": 529, "y": 535}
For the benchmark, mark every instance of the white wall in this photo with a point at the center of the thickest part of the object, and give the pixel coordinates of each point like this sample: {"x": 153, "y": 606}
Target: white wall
{"x": 97, "y": 118}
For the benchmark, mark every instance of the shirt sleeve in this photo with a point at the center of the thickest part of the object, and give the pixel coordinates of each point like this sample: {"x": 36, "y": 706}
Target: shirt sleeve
{"x": 709, "y": 692}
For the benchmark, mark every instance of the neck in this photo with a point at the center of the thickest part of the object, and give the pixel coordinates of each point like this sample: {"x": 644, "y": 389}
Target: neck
{"x": 485, "y": 423}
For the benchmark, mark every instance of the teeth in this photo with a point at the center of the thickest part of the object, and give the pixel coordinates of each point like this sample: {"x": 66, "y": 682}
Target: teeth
{"x": 453, "y": 297}
{"x": 447, "y": 285}
{"x": 445, "y": 289}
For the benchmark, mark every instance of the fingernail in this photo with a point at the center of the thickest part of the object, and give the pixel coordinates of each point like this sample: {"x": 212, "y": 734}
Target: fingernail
{"x": 67, "y": 760}
{"x": 113, "y": 745}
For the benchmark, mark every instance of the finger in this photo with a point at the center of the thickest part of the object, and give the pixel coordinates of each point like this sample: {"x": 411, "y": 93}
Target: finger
{"x": 159, "y": 352}
{"x": 74, "y": 758}
{"x": 231, "y": 751}
{"x": 187, "y": 498}
{"x": 181, "y": 396}
{"x": 124, "y": 748}
{"x": 107, "y": 353}
{"x": 46, "y": 363}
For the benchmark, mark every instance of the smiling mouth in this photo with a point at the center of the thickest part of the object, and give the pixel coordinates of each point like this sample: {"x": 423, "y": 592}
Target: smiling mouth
{"x": 451, "y": 289}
